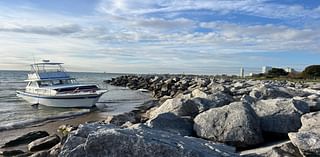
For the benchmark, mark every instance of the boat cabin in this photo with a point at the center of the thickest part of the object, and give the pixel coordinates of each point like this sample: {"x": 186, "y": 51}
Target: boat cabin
{"x": 50, "y": 78}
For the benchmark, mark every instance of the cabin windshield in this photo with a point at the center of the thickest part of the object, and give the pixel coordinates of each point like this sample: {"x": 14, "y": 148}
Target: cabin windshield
{"x": 57, "y": 82}
{"x": 40, "y": 68}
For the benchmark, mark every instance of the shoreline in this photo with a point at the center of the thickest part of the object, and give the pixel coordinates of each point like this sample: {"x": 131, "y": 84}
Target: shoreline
{"x": 50, "y": 127}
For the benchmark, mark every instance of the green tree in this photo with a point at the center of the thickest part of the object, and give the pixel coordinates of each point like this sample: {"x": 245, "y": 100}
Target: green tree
{"x": 277, "y": 72}
{"x": 312, "y": 71}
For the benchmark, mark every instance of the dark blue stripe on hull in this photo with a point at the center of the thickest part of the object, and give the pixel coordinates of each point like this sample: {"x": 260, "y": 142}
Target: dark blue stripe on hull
{"x": 46, "y": 97}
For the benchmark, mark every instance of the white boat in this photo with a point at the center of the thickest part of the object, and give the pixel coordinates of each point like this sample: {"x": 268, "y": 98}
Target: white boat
{"x": 50, "y": 85}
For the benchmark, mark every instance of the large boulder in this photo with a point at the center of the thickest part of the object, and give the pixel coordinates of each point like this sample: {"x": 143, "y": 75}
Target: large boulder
{"x": 44, "y": 143}
{"x": 177, "y": 106}
{"x": 280, "y": 115}
{"x": 119, "y": 142}
{"x": 172, "y": 123}
{"x": 236, "y": 124}
{"x": 307, "y": 139}
{"x": 269, "y": 92}
{"x": 26, "y": 138}
{"x": 218, "y": 99}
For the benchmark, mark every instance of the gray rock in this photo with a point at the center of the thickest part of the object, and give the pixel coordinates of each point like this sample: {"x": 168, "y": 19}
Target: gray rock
{"x": 121, "y": 118}
{"x": 218, "y": 98}
{"x": 172, "y": 123}
{"x": 280, "y": 115}
{"x": 236, "y": 124}
{"x": 55, "y": 151}
{"x": 24, "y": 139}
{"x": 247, "y": 99}
{"x": 270, "y": 92}
{"x": 145, "y": 142}
{"x": 85, "y": 129}
{"x": 307, "y": 139}
{"x": 72, "y": 142}
{"x": 204, "y": 104}
{"x": 76, "y": 139}
{"x": 214, "y": 88}
{"x": 44, "y": 153}
{"x": 44, "y": 143}
{"x": 177, "y": 106}
{"x": 11, "y": 152}
{"x": 285, "y": 150}
{"x": 313, "y": 102}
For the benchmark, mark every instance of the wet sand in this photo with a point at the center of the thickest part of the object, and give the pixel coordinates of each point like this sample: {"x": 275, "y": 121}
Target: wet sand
{"x": 49, "y": 126}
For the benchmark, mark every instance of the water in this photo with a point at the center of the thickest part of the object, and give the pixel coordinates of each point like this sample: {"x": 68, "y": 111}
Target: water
{"x": 17, "y": 113}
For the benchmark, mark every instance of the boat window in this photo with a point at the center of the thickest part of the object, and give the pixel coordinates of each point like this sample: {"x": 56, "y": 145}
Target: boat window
{"x": 57, "y": 82}
{"x": 33, "y": 84}
{"x": 45, "y": 83}
{"x": 71, "y": 81}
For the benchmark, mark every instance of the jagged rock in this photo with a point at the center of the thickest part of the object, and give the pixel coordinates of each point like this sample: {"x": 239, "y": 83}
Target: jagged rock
{"x": 145, "y": 142}
{"x": 307, "y": 139}
{"x": 286, "y": 150}
{"x": 44, "y": 153}
{"x": 236, "y": 124}
{"x": 204, "y": 104}
{"x": 280, "y": 115}
{"x": 270, "y": 92}
{"x": 127, "y": 124}
{"x": 313, "y": 103}
{"x": 248, "y": 99}
{"x": 54, "y": 151}
{"x": 172, "y": 123}
{"x": 214, "y": 87}
{"x": 122, "y": 118}
{"x": 24, "y": 139}
{"x": 177, "y": 106}
{"x": 219, "y": 98}
{"x": 44, "y": 143}
{"x": 85, "y": 129}
{"x": 11, "y": 152}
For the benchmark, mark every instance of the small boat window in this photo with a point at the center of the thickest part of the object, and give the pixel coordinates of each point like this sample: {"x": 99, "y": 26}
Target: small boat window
{"x": 33, "y": 84}
{"x": 45, "y": 83}
{"x": 57, "y": 82}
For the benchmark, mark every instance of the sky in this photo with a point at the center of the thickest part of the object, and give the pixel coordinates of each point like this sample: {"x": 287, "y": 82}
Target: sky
{"x": 160, "y": 36}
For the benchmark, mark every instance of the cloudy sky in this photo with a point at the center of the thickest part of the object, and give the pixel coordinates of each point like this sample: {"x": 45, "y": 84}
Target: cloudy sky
{"x": 160, "y": 36}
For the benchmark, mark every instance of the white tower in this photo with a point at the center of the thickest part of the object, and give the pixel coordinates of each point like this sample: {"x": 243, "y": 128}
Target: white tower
{"x": 242, "y": 72}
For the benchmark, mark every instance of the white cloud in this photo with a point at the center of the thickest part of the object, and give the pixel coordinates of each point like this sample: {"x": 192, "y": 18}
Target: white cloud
{"x": 42, "y": 29}
{"x": 261, "y": 8}
{"x": 140, "y": 36}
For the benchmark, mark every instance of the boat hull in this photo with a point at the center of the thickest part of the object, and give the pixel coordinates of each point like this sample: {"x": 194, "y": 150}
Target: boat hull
{"x": 66, "y": 101}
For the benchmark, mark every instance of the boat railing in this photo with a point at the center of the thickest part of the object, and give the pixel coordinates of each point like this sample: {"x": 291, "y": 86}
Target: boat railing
{"x": 40, "y": 91}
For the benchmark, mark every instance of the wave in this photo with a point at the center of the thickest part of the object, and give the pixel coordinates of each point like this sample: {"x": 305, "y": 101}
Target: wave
{"x": 40, "y": 121}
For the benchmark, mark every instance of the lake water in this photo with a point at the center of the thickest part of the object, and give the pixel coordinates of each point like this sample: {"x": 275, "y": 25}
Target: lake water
{"x": 17, "y": 113}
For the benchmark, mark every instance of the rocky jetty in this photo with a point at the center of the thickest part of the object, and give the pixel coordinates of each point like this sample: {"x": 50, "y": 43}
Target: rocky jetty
{"x": 239, "y": 113}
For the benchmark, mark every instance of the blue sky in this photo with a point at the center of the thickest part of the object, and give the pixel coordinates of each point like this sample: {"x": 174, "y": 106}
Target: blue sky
{"x": 160, "y": 36}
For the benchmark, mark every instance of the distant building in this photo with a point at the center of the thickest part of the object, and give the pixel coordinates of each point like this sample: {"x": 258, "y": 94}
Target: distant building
{"x": 242, "y": 72}
{"x": 266, "y": 69}
{"x": 289, "y": 70}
